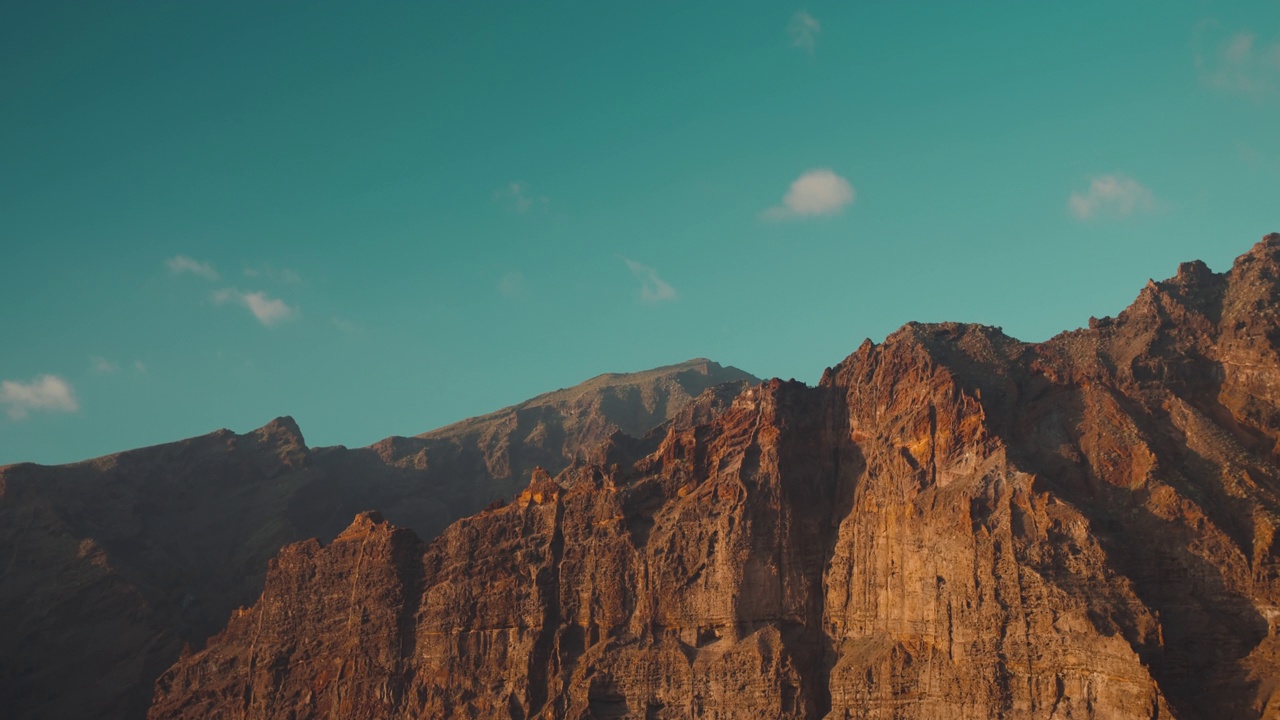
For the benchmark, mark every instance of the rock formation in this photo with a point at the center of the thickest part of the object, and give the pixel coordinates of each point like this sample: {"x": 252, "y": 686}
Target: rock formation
{"x": 108, "y": 567}
{"x": 952, "y": 524}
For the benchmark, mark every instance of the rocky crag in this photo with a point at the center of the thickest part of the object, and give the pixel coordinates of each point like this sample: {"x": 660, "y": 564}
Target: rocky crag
{"x": 952, "y": 524}
{"x": 109, "y": 567}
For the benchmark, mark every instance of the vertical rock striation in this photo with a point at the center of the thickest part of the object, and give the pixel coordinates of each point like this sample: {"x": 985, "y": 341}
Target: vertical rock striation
{"x": 952, "y": 524}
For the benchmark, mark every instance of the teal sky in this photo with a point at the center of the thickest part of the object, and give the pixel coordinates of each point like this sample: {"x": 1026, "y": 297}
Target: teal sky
{"x": 383, "y": 217}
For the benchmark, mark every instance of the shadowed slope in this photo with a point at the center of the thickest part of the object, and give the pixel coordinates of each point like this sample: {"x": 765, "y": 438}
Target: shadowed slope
{"x": 109, "y": 566}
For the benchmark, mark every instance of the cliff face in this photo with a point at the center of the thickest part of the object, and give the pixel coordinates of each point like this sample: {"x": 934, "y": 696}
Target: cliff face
{"x": 953, "y": 524}
{"x": 108, "y": 567}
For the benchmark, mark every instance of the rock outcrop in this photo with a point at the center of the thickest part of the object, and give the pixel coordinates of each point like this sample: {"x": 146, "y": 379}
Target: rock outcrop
{"x": 952, "y": 524}
{"x": 109, "y": 567}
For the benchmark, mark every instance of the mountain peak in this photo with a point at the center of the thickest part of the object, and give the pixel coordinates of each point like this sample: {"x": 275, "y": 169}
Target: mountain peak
{"x": 1193, "y": 272}
{"x": 364, "y": 523}
{"x": 661, "y": 393}
{"x": 1266, "y": 250}
{"x": 283, "y": 428}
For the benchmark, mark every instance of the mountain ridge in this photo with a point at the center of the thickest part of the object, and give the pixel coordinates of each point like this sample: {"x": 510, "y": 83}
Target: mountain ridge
{"x": 697, "y": 366}
{"x": 142, "y": 551}
{"x": 952, "y": 524}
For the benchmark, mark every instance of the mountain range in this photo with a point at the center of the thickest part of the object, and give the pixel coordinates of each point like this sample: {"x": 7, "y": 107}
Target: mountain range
{"x": 951, "y": 524}
{"x": 113, "y": 565}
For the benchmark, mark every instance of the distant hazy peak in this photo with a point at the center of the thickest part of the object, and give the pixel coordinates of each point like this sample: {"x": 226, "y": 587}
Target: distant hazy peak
{"x": 688, "y": 378}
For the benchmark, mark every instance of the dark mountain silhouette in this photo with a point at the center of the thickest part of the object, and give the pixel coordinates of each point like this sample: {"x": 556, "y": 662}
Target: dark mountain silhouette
{"x": 109, "y": 566}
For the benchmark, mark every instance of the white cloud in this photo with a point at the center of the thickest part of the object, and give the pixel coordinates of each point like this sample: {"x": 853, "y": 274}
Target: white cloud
{"x": 47, "y": 392}
{"x": 102, "y": 365}
{"x": 345, "y": 326}
{"x": 267, "y": 309}
{"x": 1239, "y": 63}
{"x": 1239, "y": 47}
{"x": 519, "y": 198}
{"x": 817, "y": 192}
{"x": 107, "y": 366}
{"x": 653, "y": 289}
{"x": 804, "y": 29}
{"x": 1111, "y": 195}
{"x": 179, "y": 264}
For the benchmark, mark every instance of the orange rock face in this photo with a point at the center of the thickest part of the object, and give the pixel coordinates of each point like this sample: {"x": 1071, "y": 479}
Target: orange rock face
{"x": 953, "y": 524}
{"x": 109, "y": 567}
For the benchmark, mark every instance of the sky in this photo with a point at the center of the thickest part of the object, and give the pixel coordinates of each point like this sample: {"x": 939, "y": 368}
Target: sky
{"x": 381, "y": 218}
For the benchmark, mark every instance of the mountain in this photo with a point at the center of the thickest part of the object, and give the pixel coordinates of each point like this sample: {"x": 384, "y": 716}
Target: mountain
{"x": 952, "y": 524}
{"x": 110, "y": 566}
{"x": 560, "y": 427}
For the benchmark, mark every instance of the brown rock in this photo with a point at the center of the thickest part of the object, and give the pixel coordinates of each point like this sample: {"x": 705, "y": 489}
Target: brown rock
{"x": 953, "y": 524}
{"x": 109, "y": 567}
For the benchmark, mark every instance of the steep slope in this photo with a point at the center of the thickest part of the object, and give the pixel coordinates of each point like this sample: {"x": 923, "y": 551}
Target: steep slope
{"x": 557, "y": 428}
{"x": 108, "y": 567}
{"x": 953, "y": 524}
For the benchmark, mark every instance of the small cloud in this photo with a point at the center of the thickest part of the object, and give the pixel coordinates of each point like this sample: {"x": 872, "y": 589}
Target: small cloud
{"x": 46, "y": 393}
{"x": 139, "y": 367}
{"x": 653, "y": 289}
{"x": 345, "y": 326}
{"x": 511, "y": 284}
{"x": 1111, "y": 195}
{"x": 817, "y": 192}
{"x": 1239, "y": 47}
{"x": 103, "y": 366}
{"x": 267, "y": 309}
{"x": 1237, "y": 64}
{"x": 519, "y": 198}
{"x": 179, "y": 264}
{"x": 804, "y": 29}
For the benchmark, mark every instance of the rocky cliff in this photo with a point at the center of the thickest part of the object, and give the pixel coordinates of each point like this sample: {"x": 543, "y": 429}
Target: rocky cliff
{"x": 110, "y": 566}
{"x": 952, "y": 524}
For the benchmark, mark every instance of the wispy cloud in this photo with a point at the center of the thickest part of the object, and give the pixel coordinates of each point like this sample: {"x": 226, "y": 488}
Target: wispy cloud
{"x": 653, "y": 289}
{"x": 344, "y": 326}
{"x": 1253, "y": 157}
{"x": 179, "y": 264}
{"x": 803, "y": 30}
{"x": 106, "y": 366}
{"x": 268, "y": 310}
{"x": 817, "y": 192}
{"x": 47, "y": 393}
{"x": 519, "y": 197}
{"x": 1113, "y": 195}
{"x": 1238, "y": 63}
{"x": 512, "y": 284}
{"x": 286, "y": 276}
{"x": 103, "y": 366}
